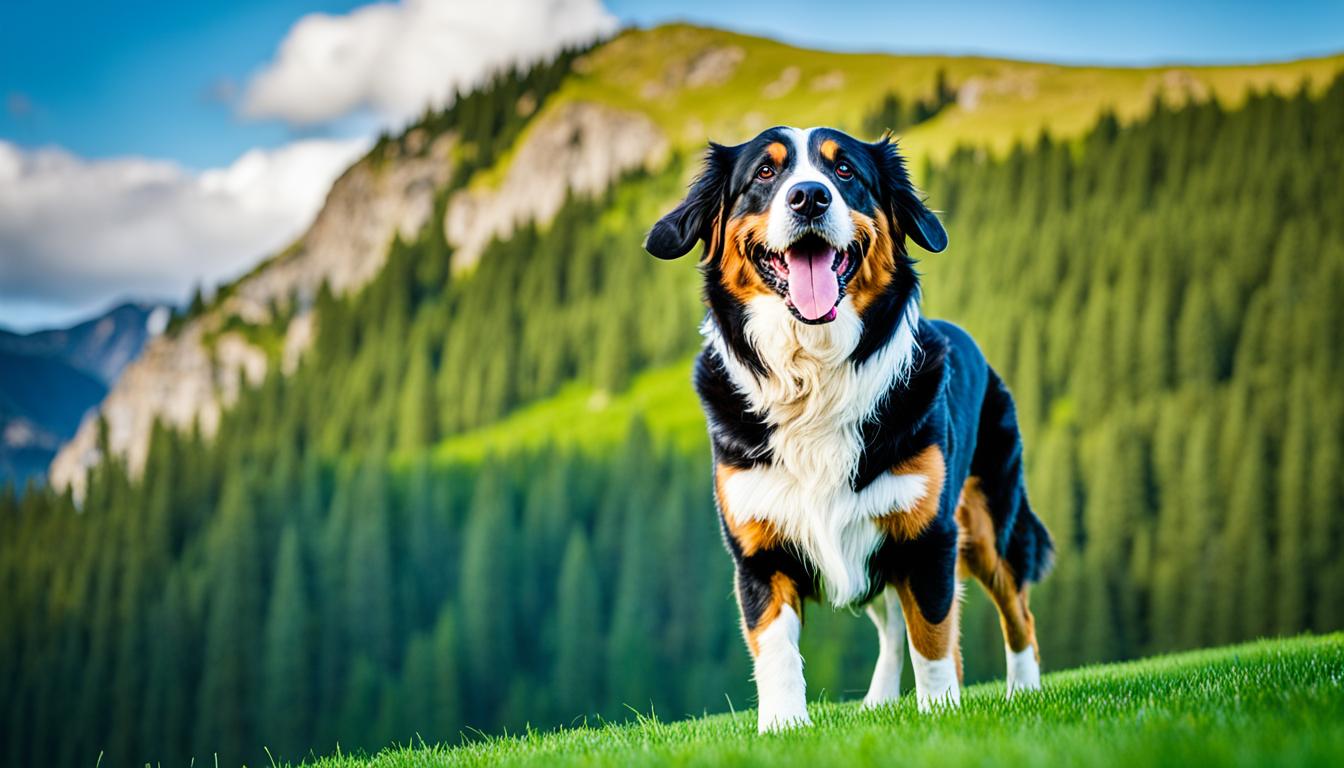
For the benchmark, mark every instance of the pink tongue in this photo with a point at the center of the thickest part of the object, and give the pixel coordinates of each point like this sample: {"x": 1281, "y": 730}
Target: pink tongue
{"x": 813, "y": 285}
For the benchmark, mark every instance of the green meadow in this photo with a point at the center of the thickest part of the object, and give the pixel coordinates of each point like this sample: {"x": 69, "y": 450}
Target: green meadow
{"x": 1273, "y": 702}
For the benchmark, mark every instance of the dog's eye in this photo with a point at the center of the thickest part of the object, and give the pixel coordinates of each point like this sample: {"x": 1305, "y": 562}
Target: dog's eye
{"x": 844, "y": 171}
{"x": 765, "y": 173}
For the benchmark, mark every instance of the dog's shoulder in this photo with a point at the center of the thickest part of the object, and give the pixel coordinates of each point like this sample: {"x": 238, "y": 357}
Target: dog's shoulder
{"x": 739, "y": 435}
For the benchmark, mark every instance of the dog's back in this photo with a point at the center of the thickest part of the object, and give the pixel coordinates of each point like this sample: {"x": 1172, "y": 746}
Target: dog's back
{"x": 984, "y": 420}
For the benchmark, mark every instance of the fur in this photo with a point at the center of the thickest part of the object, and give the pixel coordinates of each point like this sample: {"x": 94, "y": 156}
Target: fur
{"x": 844, "y": 441}
{"x": 885, "y": 614}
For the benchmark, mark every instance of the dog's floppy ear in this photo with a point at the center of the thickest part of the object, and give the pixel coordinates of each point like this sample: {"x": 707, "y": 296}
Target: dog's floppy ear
{"x": 677, "y": 233}
{"x": 903, "y": 202}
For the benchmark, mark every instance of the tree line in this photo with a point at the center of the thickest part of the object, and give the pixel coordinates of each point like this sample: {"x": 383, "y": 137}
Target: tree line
{"x": 1165, "y": 298}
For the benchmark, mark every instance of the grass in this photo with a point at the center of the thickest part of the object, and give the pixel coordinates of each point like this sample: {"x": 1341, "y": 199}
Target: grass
{"x": 587, "y": 419}
{"x": 1273, "y": 702}
{"x": 646, "y": 71}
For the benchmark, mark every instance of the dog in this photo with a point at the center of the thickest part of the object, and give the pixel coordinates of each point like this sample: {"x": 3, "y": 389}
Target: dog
{"x": 863, "y": 455}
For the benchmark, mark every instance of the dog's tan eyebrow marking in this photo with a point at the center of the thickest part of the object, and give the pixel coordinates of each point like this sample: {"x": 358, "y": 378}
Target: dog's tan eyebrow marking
{"x": 777, "y": 152}
{"x": 829, "y": 148}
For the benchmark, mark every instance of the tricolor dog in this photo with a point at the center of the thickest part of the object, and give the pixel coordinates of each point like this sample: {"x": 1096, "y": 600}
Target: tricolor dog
{"x": 863, "y": 454}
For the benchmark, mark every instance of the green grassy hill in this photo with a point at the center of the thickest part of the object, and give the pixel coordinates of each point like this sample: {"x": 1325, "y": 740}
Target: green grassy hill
{"x": 590, "y": 419}
{"x": 696, "y": 83}
{"x": 1274, "y": 702}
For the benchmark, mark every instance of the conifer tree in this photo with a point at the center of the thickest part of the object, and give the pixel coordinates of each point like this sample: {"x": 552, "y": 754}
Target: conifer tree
{"x": 1244, "y": 603}
{"x": 415, "y": 694}
{"x": 227, "y": 704}
{"x": 447, "y": 699}
{"x": 1293, "y": 564}
{"x": 1205, "y": 508}
{"x": 286, "y": 695}
{"x": 1112, "y": 514}
{"x": 578, "y": 626}
{"x": 1197, "y": 337}
{"x": 371, "y": 595}
{"x": 417, "y": 417}
{"x": 630, "y": 656}
{"x": 1327, "y": 522}
{"x": 487, "y": 631}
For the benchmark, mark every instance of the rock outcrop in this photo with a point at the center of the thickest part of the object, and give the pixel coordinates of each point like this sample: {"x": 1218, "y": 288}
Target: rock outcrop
{"x": 190, "y": 375}
{"x": 580, "y": 147}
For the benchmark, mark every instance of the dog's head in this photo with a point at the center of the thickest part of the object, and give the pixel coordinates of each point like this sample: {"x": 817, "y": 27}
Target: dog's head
{"x": 808, "y": 217}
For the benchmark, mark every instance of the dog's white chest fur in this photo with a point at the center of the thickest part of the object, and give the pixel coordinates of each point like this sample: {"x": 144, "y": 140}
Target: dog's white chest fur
{"x": 817, "y": 401}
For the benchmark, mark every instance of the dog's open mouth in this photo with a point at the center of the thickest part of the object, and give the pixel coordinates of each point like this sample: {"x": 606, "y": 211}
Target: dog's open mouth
{"x": 811, "y": 276}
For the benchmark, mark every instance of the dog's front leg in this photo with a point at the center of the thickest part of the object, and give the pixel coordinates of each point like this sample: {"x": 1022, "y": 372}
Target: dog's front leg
{"x": 772, "y": 621}
{"x": 931, "y": 601}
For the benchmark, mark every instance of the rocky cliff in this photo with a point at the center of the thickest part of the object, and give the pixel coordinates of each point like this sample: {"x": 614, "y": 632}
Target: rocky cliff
{"x": 190, "y": 375}
{"x": 579, "y": 147}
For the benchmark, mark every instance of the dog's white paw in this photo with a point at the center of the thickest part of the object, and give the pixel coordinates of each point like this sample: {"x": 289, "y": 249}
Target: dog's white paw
{"x": 885, "y": 688}
{"x": 1024, "y": 671}
{"x": 880, "y": 698}
{"x": 936, "y": 684}
{"x": 783, "y": 719}
{"x": 946, "y": 698}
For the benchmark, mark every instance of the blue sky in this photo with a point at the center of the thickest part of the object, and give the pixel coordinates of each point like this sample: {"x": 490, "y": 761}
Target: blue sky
{"x": 140, "y": 77}
{"x": 146, "y": 147}
{"x": 135, "y": 77}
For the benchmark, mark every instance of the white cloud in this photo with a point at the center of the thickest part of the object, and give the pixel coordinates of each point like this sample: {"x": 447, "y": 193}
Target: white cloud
{"x": 393, "y": 59}
{"x": 76, "y": 234}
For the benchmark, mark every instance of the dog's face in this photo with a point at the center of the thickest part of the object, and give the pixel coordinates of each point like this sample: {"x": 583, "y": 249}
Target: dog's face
{"x": 809, "y": 217}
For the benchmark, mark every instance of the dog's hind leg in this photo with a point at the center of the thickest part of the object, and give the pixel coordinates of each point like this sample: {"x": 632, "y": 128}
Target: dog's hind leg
{"x": 885, "y": 611}
{"x": 1003, "y": 544}
{"x": 980, "y": 558}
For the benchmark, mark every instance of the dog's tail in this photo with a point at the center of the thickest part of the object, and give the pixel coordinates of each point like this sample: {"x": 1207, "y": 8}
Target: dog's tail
{"x": 1020, "y": 537}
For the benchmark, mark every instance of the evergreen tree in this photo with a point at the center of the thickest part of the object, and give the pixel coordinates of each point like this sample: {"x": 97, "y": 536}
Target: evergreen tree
{"x": 1293, "y": 562}
{"x": 630, "y": 656}
{"x": 226, "y": 723}
{"x": 287, "y": 698}
{"x": 1204, "y": 507}
{"x": 417, "y": 415}
{"x": 447, "y": 698}
{"x": 1327, "y": 522}
{"x": 578, "y": 657}
{"x": 1112, "y": 516}
{"x": 371, "y": 595}
{"x": 487, "y": 631}
{"x": 1197, "y": 337}
{"x": 1244, "y": 602}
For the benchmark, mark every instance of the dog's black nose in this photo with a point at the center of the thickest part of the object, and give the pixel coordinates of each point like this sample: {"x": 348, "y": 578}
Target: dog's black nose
{"x": 809, "y": 199}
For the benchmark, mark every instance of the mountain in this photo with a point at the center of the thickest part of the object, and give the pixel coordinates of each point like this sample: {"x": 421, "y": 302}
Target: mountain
{"x": 52, "y": 378}
{"x": 101, "y": 347}
{"x": 646, "y": 99}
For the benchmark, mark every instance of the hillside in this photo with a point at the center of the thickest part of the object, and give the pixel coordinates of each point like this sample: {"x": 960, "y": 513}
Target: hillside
{"x": 1275, "y": 702}
{"x": 695, "y": 83}
{"x": 636, "y": 102}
